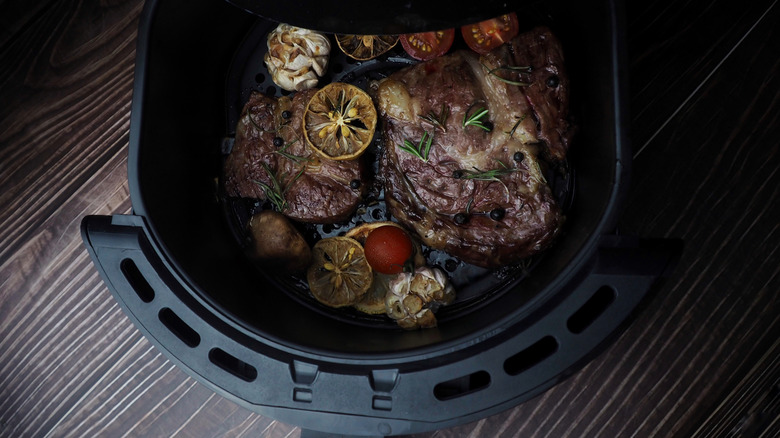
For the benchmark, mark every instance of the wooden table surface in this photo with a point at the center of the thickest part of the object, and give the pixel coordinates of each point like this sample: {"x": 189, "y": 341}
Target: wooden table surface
{"x": 701, "y": 359}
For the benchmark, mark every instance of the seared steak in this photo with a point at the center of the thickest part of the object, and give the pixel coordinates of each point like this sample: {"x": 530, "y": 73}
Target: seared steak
{"x": 480, "y": 194}
{"x": 270, "y": 145}
{"x": 547, "y": 91}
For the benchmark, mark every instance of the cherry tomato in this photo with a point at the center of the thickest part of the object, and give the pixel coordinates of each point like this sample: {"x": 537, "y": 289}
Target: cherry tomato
{"x": 486, "y": 35}
{"x": 428, "y": 45}
{"x": 387, "y": 248}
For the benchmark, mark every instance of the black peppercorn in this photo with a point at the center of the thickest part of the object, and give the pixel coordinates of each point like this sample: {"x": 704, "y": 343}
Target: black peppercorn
{"x": 458, "y": 174}
{"x": 497, "y": 214}
{"x": 278, "y": 141}
{"x": 518, "y": 157}
{"x": 286, "y": 114}
{"x": 553, "y": 81}
{"x": 451, "y": 265}
{"x": 488, "y": 125}
{"x": 354, "y": 184}
{"x": 461, "y": 218}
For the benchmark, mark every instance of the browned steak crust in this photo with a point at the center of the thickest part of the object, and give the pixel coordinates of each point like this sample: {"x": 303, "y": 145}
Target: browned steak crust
{"x": 548, "y": 89}
{"x": 493, "y": 179}
{"x": 315, "y": 189}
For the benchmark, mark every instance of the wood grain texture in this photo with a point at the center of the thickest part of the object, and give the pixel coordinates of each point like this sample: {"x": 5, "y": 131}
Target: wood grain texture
{"x": 700, "y": 359}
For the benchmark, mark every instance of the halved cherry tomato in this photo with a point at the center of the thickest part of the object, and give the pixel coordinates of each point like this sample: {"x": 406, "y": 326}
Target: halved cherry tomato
{"x": 428, "y": 45}
{"x": 387, "y": 249}
{"x": 486, "y": 35}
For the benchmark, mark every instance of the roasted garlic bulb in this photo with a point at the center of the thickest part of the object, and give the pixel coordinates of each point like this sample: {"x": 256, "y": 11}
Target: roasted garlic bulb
{"x": 296, "y": 57}
{"x": 414, "y": 297}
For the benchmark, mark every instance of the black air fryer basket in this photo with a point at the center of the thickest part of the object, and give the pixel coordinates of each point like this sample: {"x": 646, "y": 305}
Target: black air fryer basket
{"x": 178, "y": 270}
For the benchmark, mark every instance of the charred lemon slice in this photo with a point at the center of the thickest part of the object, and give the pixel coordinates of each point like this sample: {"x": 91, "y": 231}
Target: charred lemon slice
{"x": 365, "y": 47}
{"x": 339, "y": 274}
{"x": 373, "y": 302}
{"x": 339, "y": 121}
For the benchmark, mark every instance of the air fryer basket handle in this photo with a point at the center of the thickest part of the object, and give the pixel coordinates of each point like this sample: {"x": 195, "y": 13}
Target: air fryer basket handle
{"x": 157, "y": 304}
{"x": 511, "y": 367}
{"x": 123, "y": 257}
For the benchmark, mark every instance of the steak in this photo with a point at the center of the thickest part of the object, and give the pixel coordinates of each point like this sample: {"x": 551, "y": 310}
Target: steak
{"x": 270, "y": 152}
{"x": 479, "y": 194}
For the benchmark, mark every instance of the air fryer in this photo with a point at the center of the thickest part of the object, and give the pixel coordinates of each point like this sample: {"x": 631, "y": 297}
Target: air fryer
{"x": 176, "y": 266}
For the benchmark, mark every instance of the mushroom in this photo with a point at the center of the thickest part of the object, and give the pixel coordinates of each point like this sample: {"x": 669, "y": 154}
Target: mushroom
{"x": 277, "y": 244}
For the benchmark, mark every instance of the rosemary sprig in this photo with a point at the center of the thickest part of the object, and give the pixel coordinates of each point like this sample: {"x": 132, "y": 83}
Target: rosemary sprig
{"x": 540, "y": 179}
{"x": 475, "y": 119}
{"x": 514, "y": 128}
{"x": 297, "y": 158}
{"x": 492, "y": 71}
{"x": 487, "y": 175}
{"x": 276, "y": 191}
{"x": 438, "y": 120}
{"x": 420, "y": 150}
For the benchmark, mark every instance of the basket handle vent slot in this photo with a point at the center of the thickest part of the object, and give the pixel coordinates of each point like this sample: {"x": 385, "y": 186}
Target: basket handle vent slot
{"x": 591, "y": 310}
{"x": 461, "y": 386}
{"x": 532, "y": 355}
{"x": 137, "y": 280}
{"x": 232, "y": 364}
{"x": 178, "y": 327}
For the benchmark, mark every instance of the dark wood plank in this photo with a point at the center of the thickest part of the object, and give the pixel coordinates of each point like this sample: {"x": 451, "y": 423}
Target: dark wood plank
{"x": 701, "y": 359}
{"x": 674, "y": 47}
{"x": 752, "y": 405}
{"x": 16, "y": 16}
